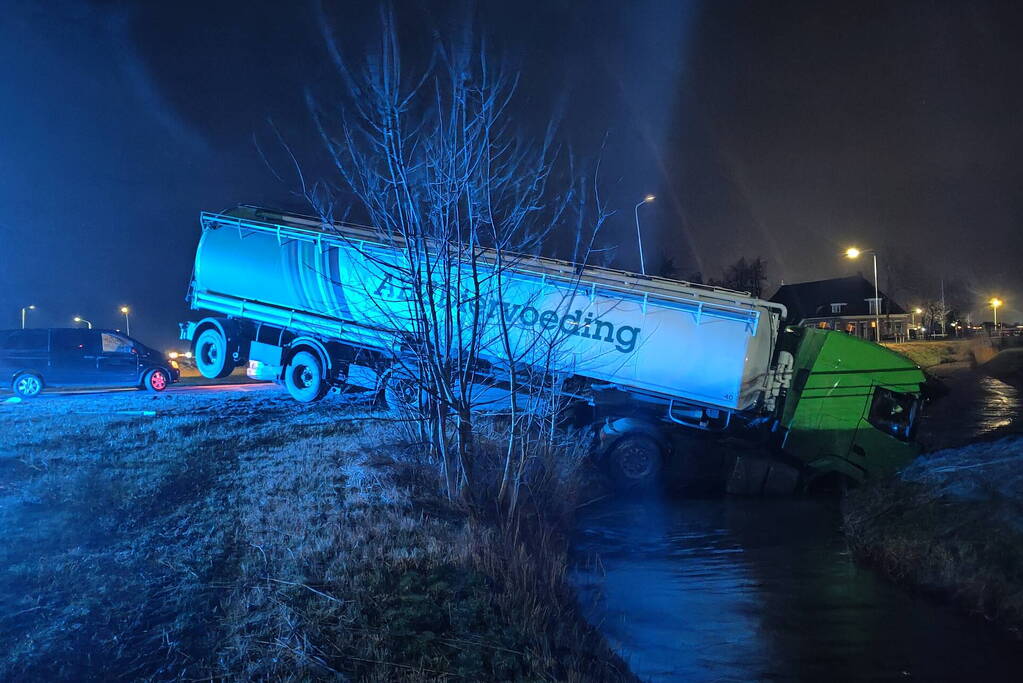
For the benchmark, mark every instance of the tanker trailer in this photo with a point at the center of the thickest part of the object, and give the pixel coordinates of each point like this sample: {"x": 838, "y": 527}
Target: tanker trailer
{"x": 319, "y": 307}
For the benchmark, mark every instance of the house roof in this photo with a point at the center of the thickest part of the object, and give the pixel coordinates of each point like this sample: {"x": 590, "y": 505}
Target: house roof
{"x": 813, "y": 299}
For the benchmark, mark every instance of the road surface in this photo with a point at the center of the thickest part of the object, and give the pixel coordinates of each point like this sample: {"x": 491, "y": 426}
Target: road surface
{"x": 174, "y": 390}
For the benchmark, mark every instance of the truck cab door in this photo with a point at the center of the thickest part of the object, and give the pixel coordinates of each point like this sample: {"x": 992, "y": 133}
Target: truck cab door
{"x": 118, "y": 361}
{"x": 884, "y": 436}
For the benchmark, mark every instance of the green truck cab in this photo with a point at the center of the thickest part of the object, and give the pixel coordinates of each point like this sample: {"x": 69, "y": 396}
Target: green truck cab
{"x": 852, "y": 406}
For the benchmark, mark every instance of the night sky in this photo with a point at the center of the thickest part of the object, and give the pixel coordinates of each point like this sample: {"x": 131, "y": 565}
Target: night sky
{"x": 785, "y": 130}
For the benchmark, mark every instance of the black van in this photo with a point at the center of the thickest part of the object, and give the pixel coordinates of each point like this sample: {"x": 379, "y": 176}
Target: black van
{"x": 60, "y": 357}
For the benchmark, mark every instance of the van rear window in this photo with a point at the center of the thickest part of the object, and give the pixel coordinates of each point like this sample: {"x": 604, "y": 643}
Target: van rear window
{"x": 27, "y": 340}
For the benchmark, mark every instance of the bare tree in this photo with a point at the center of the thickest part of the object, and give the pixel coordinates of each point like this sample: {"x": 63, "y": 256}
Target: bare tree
{"x": 744, "y": 276}
{"x": 460, "y": 203}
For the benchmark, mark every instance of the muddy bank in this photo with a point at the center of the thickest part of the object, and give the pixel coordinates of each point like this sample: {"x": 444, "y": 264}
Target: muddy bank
{"x": 950, "y": 524}
{"x": 1007, "y": 366}
{"x": 244, "y": 536}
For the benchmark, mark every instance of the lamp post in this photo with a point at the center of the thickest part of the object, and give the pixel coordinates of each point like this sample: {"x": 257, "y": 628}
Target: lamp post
{"x": 854, "y": 253}
{"x": 80, "y": 319}
{"x": 639, "y": 235}
{"x": 127, "y": 324}
{"x": 26, "y": 308}
{"x": 995, "y": 303}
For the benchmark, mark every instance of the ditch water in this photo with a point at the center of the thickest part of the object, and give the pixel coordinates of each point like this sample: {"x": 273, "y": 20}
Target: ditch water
{"x": 760, "y": 589}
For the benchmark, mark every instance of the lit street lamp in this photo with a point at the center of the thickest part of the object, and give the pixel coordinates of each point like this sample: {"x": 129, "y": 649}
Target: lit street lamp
{"x": 27, "y": 308}
{"x": 854, "y": 253}
{"x": 639, "y": 235}
{"x": 127, "y": 325}
{"x": 995, "y": 303}
{"x": 80, "y": 319}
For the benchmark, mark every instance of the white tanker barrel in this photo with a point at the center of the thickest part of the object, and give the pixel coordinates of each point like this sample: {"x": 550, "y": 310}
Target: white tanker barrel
{"x": 666, "y": 339}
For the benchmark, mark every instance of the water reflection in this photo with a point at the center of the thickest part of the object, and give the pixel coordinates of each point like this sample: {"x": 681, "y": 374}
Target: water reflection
{"x": 1000, "y": 407}
{"x": 977, "y": 407}
{"x": 760, "y": 589}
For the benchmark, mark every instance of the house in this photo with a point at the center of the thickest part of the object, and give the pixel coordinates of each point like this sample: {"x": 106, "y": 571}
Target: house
{"x": 846, "y": 304}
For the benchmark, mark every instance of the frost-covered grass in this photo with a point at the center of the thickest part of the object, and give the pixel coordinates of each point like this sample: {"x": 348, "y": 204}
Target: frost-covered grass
{"x": 951, "y": 523}
{"x": 241, "y": 535}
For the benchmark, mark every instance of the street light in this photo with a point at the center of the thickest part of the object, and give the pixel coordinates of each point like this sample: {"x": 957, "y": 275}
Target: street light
{"x": 995, "y": 303}
{"x": 80, "y": 319}
{"x": 639, "y": 235}
{"x": 912, "y": 318}
{"x": 854, "y": 253}
{"x": 127, "y": 325}
{"x": 26, "y": 308}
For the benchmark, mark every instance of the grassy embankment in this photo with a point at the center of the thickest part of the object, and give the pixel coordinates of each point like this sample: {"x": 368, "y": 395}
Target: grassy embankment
{"x": 952, "y": 524}
{"x": 927, "y": 354}
{"x": 241, "y": 535}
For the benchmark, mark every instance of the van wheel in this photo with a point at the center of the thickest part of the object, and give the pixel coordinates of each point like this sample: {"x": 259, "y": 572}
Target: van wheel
{"x": 304, "y": 378}
{"x": 211, "y": 355}
{"x": 27, "y": 385}
{"x": 635, "y": 461}
{"x": 155, "y": 381}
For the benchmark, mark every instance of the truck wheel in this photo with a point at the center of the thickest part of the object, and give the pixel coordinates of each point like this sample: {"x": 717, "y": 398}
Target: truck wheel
{"x": 401, "y": 392}
{"x": 211, "y": 355}
{"x": 27, "y": 385}
{"x": 634, "y": 461}
{"x": 304, "y": 378}
{"x": 155, "y": 381}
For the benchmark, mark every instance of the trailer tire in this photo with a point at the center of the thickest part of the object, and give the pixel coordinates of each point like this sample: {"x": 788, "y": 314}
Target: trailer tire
{"x": 401, "y": 392}
{"x": 634, "y": 461}
{"x": 211, "y": 355}
{"x": 304, "y": 377}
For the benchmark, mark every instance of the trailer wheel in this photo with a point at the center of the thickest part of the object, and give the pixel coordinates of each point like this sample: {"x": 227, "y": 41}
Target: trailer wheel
{"x": 211, "y": 355}
{"x": 27, "y": 385}
{"x": 401, "y": 392}
{"x": 304, "y": 378}
{"x": 635, "y": 461}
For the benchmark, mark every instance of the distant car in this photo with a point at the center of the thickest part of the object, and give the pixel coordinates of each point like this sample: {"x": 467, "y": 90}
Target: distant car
{"x": 60, "y": 357}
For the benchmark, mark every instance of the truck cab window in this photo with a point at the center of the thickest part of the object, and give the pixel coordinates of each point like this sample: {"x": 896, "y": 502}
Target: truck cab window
{"x": 894, "y": 413}
{"x": 114, "y": 344}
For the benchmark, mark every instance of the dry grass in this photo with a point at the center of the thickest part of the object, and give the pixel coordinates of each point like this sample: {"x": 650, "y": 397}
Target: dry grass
{"x": 930, "y": 353}
{"x": 245, "y": 536}
{"x": 952, "y": 524}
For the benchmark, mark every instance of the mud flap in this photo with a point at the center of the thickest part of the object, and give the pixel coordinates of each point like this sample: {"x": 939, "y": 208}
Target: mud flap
{"x": 758, "y": 476}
